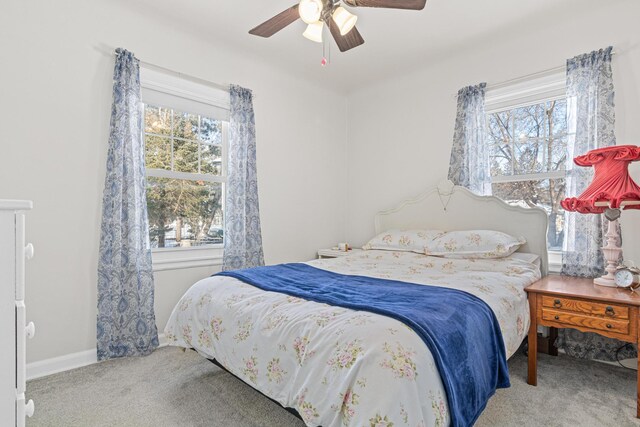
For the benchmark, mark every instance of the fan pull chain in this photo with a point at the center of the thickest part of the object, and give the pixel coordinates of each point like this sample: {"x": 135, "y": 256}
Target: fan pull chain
{"x": 326, "y": 49}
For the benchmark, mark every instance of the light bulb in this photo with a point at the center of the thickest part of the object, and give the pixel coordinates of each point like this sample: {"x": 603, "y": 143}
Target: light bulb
{"x": 310, "y": 10}
{"x": 314, "y": 31}
{"x": 344, "y": 20}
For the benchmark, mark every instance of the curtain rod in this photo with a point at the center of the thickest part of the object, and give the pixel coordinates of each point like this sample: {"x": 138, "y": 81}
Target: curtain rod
{"x": 526, "y": 77}
{"x": 184, "y": 76}
{"x": 111, "y": 51}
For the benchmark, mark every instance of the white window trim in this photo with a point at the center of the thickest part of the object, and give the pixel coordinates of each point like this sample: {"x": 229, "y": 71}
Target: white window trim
{"x": 529, "y": 176}
{"x": 555, "y": 261}
{"x": 163, "y": 173}
{"x": 164, "y": 259}
{"x": 524, "y": 92}
{"x": 178, "y": 258}
{"x": 174, "y": 91}
{"x": 548, "y": 87}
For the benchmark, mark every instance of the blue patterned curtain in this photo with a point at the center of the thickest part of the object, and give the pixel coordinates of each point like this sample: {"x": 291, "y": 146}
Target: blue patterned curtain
{"x": 469, "y": 163}
{"x": 126, "y": 321}
{"x": 591, "y": 120}
{"x": 242, "y": 236}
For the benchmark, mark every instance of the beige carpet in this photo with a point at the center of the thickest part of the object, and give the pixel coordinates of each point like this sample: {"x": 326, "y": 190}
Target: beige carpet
{"x": 172, "y": 388}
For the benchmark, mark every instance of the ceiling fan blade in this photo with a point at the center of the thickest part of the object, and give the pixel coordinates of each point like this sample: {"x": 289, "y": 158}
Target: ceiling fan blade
{"x": 348, "y": 41}
{"x": 389, "y": 4}
{"x": 278, "y": 22}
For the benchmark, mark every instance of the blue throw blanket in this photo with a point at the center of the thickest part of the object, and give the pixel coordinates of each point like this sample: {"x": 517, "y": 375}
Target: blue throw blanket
{"x": 460, "y": 329}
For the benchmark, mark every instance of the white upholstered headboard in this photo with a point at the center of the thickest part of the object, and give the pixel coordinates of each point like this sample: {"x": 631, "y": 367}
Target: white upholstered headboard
{"x": 467, "y": 211}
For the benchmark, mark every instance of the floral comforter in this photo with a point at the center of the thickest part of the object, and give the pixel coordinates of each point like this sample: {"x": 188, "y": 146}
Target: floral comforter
{"x": 340, "y": 367}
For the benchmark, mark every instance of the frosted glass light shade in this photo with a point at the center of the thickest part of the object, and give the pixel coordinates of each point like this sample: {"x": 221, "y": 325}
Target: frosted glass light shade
{"x": 344, "y": 20}
{"x": 310, "y": 10}
{"x": 314, "y": 31}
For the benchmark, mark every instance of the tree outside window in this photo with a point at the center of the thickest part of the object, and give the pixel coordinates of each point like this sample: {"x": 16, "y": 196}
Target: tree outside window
{"x": 185, "y": 177}
{"x": 528, "y": 149}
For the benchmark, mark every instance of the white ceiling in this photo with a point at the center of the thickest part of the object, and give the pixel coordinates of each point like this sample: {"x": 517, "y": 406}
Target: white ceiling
{"x": 394, "y": 39}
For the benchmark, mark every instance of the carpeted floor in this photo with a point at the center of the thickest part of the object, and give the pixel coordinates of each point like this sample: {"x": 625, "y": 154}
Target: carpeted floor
{"x": 175, "y": 388}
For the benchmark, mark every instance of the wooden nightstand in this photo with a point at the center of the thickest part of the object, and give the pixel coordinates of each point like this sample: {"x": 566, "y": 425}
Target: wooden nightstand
{"x": 334, "y": 253}
{"x": 571, "y": 302}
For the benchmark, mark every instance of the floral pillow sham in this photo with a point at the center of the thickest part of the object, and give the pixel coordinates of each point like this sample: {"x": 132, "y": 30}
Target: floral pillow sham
{"x": 473, "y": 244}
{"x": 403, "y": 240}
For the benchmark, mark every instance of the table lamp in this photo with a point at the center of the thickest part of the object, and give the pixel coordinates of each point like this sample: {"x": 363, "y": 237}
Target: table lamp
{"x": 611, "y": 190}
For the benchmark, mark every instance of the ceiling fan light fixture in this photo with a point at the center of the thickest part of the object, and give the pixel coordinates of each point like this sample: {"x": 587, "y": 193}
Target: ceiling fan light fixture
{"x": 344, "y": 20}
{"x": 314, "y": 31}
{"x": 310, "y": 10}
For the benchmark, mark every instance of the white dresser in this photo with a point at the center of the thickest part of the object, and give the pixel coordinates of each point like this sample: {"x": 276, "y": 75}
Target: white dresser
{"x": 13, "y": 327}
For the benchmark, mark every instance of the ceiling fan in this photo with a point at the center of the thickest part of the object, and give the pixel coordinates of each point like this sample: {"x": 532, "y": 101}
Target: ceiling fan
{"x": 317, "y": 13}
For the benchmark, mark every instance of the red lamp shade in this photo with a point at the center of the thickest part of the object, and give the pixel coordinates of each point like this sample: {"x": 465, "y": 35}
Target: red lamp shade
{"x": 611, "y": 184}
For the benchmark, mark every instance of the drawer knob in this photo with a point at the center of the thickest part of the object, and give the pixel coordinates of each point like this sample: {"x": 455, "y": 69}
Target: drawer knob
{"x": 30, "y": 330}
{"x": 557, "y": 303}
{"x": 609, "y": 326}
{"x": 609, "y": 311}
{"x": 29, "y": 251}
{"x": 29, "y": 408}
{"x": 556, "y": 317}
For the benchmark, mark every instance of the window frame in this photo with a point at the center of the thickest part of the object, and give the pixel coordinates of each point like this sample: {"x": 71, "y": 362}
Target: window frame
{"x": 190, "y": 176}
{"x": 521, "y": 93}
{"x": 209, "y": 255}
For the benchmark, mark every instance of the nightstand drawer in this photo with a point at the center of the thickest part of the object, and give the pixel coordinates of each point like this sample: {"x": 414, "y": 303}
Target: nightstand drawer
{"x": 609, "y": 311}
{"x": 590, "y": 322}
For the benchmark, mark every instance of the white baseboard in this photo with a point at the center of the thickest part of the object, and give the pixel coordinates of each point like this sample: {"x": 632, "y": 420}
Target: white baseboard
{"x": 162, "y": 341}
{"x": 54, "y": 365}
{"x": 43, "y": 368}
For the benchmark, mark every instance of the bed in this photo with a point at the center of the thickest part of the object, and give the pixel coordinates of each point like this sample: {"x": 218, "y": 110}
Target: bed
{"x": 337, "y": 366}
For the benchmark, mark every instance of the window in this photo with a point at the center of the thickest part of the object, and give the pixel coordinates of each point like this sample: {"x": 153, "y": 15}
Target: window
{"x": 527, "y": 132}
{"x": 185, "y": 177}
{"x": 185, "y": 134}
{"x": 528, "y": 150}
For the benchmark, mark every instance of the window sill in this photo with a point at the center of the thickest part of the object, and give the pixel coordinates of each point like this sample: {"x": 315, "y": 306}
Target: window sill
{"x": 179, "y": 258}
{"x": 555, "y": 262}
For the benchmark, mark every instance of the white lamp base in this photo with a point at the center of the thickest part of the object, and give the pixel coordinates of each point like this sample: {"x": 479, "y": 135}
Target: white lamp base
{"x": 604, "y": 281}
{"x": 611, "y": 254}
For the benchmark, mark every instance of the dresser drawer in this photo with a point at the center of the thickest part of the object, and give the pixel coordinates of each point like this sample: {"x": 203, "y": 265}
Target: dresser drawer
{"x": 591, "y": 322}
{"x": 608, "y": 311}
{"x": 21, "y": 347}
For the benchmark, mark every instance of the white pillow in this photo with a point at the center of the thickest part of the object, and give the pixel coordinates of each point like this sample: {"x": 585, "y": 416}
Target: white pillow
{"x": 403, "y": 240}
{"x": 474, "y": 244}
{"x": 525, "y": 256}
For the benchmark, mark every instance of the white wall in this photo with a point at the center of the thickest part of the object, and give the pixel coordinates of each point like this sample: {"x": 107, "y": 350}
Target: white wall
{"x": 55, "y": 100}
{"x": 400, "y": 129}
{"x": 393, "y": 141}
